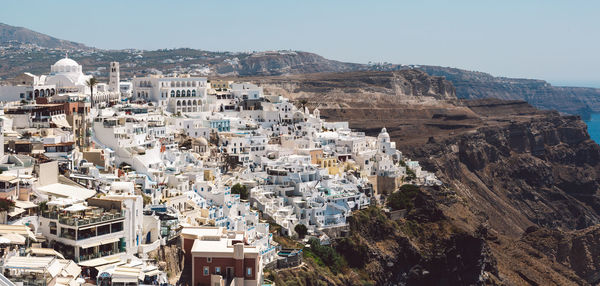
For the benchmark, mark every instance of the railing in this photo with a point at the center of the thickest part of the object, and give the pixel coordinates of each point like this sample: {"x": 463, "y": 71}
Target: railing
{"x": 6, "y": 190}
{"x": 98, "y": 254}
{"x": 28, "y": 281}
{"x": 75, "y": 221}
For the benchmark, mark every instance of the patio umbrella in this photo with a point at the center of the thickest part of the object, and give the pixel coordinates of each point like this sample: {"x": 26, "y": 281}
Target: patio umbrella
{"x": 76, "y": 208}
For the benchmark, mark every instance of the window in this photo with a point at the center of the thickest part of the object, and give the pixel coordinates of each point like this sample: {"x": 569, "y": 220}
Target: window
{"x": 249, "y": 271}
{"x": 217, "y": 270}
{"x": 209, "y": 259}
{"x": 172, "y": 93}
{"x": 206, "y": 270}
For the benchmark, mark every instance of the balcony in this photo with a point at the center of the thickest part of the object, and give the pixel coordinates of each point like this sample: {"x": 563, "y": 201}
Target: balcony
{"x": 79, "y": 220}
{"x": 99, "y": 254}
{"x": 7, "y": 190}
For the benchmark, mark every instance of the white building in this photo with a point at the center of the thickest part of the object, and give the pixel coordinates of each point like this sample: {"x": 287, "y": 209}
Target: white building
{"x": 175, "y": 94}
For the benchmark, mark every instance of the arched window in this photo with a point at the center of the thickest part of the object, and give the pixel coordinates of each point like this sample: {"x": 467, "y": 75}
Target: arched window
{"x": 172, "y": 93}
{"x": 183, "y": 102}
{"x": 194, "y": 93}
{"x": 178, "y": 93}
{"x": 178, "y": 103}
{"x": 189, "y": 93}
{"x": 195, "y": 103}
{"x": 189, "y": 102}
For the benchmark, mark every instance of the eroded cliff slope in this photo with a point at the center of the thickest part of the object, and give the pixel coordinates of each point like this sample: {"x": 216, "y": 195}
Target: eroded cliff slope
{"x": 506, "y": 167}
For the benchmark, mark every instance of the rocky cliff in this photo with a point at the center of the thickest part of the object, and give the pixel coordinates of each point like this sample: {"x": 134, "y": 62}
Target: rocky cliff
{"x": 541, "y": 94}
{"x": 352, "y": 89}
{"x": 508, "y": 169}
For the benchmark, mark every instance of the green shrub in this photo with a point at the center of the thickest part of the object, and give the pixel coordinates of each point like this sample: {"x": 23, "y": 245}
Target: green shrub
{"x": 327, "y": 255}
{"x": 301, "y": 230}
{"x": 6, "y": 204}
{"x": 240, "y": 190}
{"x": 404, "y": 198}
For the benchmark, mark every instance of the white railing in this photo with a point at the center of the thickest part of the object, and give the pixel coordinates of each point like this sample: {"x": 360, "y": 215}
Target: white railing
{"x": 145, "y": 248}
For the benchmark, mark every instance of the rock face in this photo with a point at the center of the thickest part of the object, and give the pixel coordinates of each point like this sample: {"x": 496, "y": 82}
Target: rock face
{"x": 578, "y": 250}
{"x": 280, "y": 63}
{"x": 476, "y": 85}
{"x": 541, "y": 169}
{"x": 508, "y": 169}
{"x": 352, "y": 89}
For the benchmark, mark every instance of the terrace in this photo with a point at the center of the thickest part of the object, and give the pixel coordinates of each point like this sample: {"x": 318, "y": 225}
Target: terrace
{"x": 79, "y": 215}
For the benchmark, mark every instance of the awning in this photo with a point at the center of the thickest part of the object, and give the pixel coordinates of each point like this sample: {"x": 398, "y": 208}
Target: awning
{"x": 124, "y": 279}
{"x": 124, "y": 274}
{"x": 152, "y": 273}
{"x": 45, "y": 251}
{"x": 16, "y": 211}
{"x": 8, "y": 178}
{"x": 60, "y": 121}
{"x": 25, "y": 204}
{"x": 110, "y": 240}
{"x": 89, "y": 244}
{"x": 76, "y": 208}
{"x": 100, "y": 261}
{"x": 14, "y": 238}
{"x": 23, "y": 230}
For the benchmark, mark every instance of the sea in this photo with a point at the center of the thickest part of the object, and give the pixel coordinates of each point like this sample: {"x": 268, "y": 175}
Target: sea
{"x": 594, "y": 127}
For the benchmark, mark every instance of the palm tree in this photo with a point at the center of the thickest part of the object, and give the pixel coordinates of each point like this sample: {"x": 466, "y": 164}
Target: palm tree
{"x": 91, "y": 83}
{"x": 303, "y": 103}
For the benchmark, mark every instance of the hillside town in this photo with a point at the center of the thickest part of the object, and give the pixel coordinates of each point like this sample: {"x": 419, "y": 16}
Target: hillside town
{"x": 100, "y": 179}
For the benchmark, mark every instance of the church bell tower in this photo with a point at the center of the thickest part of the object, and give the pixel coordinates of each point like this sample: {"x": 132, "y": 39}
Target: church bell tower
{"x": 114, "y": 77}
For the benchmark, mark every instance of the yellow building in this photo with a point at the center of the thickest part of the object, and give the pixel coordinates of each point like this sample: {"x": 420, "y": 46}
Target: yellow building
{"x": 331, "y": 164}
{"x": 220, "y": 84}
{"x": 208, "y": 175}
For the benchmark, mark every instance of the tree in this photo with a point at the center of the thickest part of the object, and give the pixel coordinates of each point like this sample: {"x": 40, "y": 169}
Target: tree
{"x": 410, "y": 174}
{"x": 301, "y": 230}
{"x": 403, "y": 198}
{"x": 6, "y": 204}
{"x": 303, "y": 103}
{"x": 240, "y": 190}
{"x": 91, "y": 83}
{"x": 43, "y": 205}
{"x": 327, "y": 256}
{"x": 147, "y": 200}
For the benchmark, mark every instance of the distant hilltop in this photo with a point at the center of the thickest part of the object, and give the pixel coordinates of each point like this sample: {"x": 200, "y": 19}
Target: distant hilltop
{"x": 22, "y": 35}
{"x": 24, "y": 50}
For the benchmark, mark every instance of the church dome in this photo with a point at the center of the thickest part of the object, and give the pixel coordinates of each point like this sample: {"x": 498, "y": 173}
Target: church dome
{"x": 201, "y": 141}
{"x": 384, "y": 134}
{"x": 65, "y": 65}
{"x": 66, "y": 62}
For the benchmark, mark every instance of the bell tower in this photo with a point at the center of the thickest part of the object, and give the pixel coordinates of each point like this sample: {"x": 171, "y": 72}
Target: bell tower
{"x": 114, "y": 77}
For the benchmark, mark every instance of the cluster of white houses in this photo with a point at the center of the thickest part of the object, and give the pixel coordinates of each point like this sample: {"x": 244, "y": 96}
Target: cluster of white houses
{"x": 99, "y": 186}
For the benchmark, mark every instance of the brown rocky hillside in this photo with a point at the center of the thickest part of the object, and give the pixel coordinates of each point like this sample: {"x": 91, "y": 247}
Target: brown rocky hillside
{"x": 522, "y": 182}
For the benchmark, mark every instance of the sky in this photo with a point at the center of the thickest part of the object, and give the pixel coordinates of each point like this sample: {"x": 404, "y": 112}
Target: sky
{"x": 558, "y": 41}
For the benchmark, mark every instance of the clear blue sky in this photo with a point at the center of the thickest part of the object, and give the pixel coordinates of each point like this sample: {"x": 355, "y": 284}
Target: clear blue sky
{"x": 558, "y": 41}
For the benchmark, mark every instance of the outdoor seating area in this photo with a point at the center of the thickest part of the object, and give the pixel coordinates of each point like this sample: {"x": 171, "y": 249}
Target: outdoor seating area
{"x": 81, "y": 215}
